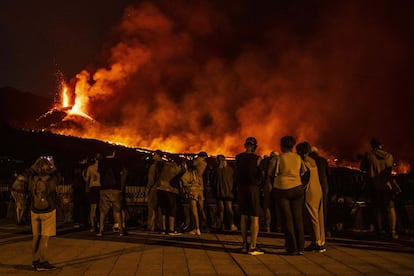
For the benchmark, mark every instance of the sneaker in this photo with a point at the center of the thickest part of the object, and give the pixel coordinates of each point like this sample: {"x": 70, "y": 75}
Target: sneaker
{"x": 255, "y": 251}
{"x": 99, "y": 234}
{"x": 320, "y": 248}
{"x": 35, "y": 264}
{"x": 92, "y": 230}
{"x": 195, "y": 232}
{"x": 292, "y": 253}
{"x": 175, "y": 233}
{"x": 394, "y": 235}
{"x": 311, "y": 247}
{"x": 233, "y": 228}
{"x": 44, "y": 266}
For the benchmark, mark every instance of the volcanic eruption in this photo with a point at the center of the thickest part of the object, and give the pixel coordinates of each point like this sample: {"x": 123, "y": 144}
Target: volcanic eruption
{"x": 190, "y": 76}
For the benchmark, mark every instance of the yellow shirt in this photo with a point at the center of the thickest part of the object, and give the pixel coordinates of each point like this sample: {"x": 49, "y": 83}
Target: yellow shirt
{"x": 288, "y": 171}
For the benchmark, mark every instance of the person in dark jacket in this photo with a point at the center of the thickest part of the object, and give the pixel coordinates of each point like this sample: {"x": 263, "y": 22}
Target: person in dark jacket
{"x": 377, "y": 164}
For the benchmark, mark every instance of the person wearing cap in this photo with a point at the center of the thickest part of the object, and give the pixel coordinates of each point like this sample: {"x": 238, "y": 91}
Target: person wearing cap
{"x": 248, "y": 181}
{"x": 377, "y": 164}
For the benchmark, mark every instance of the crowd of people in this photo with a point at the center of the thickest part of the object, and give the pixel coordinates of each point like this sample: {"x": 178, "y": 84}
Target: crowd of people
{"x": 289, "y": 188}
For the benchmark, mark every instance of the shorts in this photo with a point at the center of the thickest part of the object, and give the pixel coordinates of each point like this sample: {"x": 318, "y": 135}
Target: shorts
{"x": 110, "y": 198}
{"x": 196, "y": 193}
{"x": 93, "y": 195}
{"x": 168, "y": 203}
{"x": 43, "y": 223}
{"x": 249, "y": 201}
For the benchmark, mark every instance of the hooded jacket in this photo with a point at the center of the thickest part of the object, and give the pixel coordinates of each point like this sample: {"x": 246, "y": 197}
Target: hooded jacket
{"x": 378, "y": 166}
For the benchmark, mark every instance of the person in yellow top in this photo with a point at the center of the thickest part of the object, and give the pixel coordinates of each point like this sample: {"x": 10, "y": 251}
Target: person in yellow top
{"x": 288, "y": 192}
{"x": 313, "y": 200}
{"x": 377, "y": 164}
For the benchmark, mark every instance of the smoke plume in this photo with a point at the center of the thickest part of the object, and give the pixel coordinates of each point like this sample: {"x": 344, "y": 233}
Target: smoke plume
{"x": 186, "y": 76}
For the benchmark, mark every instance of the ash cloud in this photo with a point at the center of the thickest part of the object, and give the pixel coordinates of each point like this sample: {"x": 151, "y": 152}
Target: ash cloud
{"x": 203, "y": 75}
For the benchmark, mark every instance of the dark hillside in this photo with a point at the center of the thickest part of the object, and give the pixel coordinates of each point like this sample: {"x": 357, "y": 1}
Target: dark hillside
{"x": 26, "y": 146}
{"x": 21, "y": 109}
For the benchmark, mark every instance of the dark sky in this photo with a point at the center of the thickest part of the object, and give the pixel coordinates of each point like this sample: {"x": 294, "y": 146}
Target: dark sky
{"x": 40, "y": 38}
{"x": 334, "y": 72}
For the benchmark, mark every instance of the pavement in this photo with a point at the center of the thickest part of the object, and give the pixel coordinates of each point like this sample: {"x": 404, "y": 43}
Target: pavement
{"x": 76, "y": 251}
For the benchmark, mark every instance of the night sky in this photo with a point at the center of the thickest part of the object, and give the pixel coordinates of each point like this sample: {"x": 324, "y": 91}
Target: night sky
{"x": 335, "y": 73}
{"x": 40, "y": 38}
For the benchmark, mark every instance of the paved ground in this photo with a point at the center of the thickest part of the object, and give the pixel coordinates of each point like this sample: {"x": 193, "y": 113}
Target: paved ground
{"x": 78, "y": 252}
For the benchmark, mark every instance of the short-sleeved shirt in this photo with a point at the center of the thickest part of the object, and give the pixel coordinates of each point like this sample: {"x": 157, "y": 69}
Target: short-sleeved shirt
{"x": 248, "y": 175}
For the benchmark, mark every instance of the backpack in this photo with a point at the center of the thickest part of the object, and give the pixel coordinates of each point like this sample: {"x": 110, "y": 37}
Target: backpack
{"x": 40, "y": 192}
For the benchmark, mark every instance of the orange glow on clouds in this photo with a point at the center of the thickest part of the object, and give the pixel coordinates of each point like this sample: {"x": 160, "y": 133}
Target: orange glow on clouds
{"x": 166, "y": 84}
